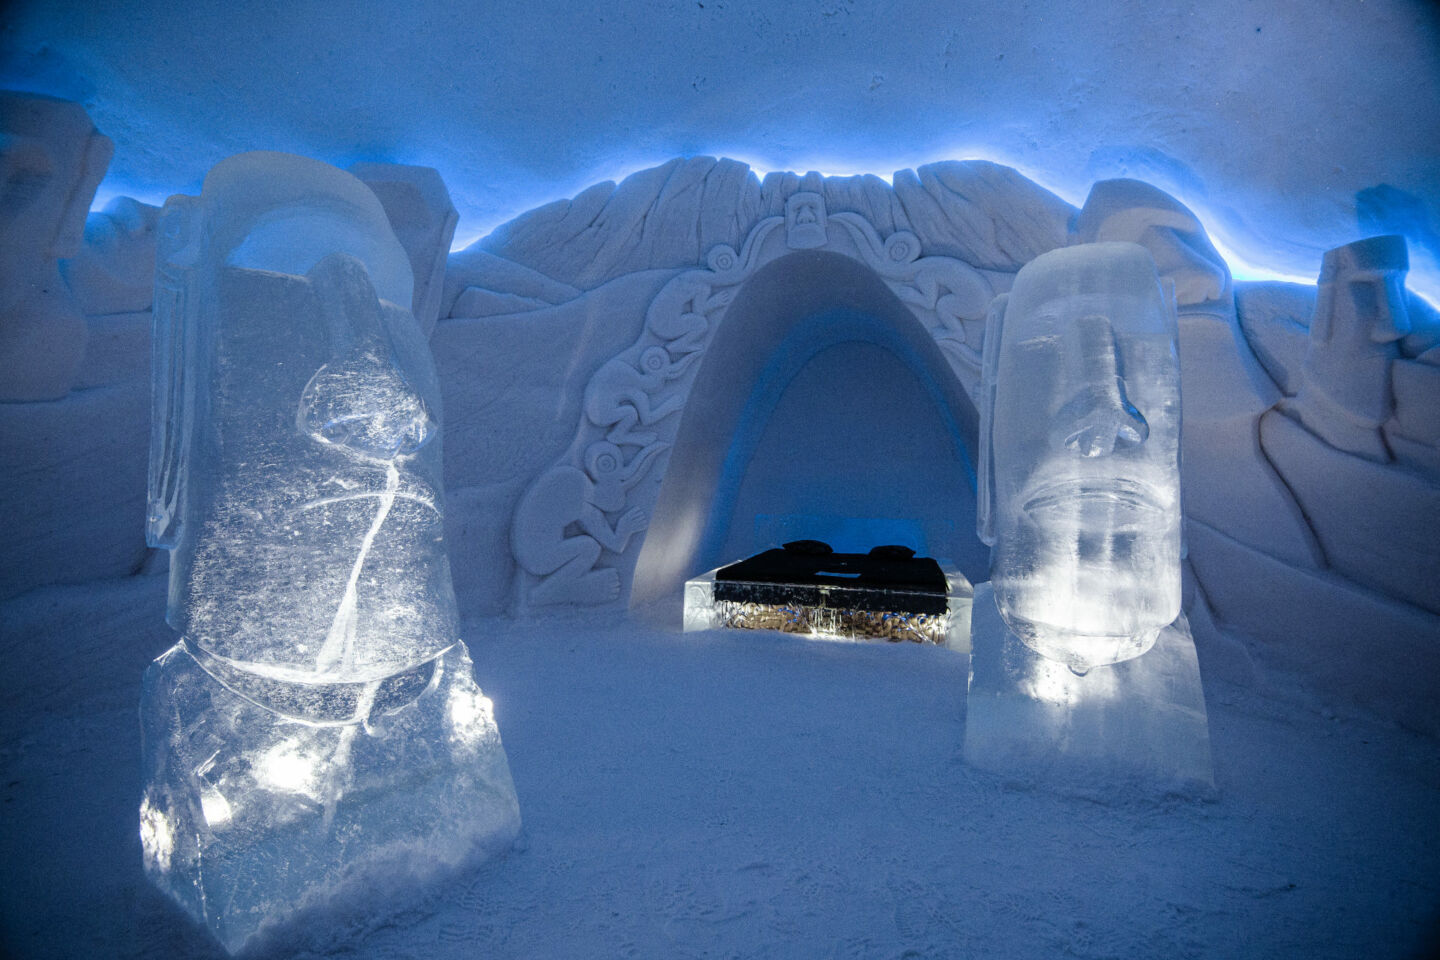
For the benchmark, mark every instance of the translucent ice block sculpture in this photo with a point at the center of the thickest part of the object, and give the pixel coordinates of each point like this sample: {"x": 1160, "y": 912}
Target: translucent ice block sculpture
{"x": 317, "y": 728}
{"x": 1134, "y": 728}
{"x": 1080, "y": 455}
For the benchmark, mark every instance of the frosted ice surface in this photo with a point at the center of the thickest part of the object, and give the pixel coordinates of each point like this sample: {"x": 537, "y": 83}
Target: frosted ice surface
{"x": 265, "y": 799}
{"x": 317, "y": 726}
{"x": 1080, "y": 455}
{"x": 294, "y": 455}
{"x": 1139, "y": 725}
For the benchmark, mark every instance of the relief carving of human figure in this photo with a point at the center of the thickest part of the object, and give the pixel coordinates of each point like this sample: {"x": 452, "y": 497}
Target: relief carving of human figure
{"x": 624, "y": 394}
{"x": 561, "y": 527}
{"x": 1360, "y": 317}
{"x": 51, "y": 161}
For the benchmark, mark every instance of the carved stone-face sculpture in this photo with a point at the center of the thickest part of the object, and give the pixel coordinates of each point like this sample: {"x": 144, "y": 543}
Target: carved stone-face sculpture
{"x": 1360, "y": 315}
{"x": 1080, "y": 483}
{"x": 317, "y": 727}
{"x": 51, "y": 161}
{"x": 299, "y": 473}
{"x": 805, "y": 220}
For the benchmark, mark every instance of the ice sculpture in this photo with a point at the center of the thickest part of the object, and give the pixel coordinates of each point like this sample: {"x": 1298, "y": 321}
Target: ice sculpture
{"x": 317, "y": 727}
{"x": 1134, "y": 728}
{"x": 1080, "y": 455}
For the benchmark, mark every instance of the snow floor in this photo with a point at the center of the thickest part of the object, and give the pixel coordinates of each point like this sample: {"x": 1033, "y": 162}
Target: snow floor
{"x": 752, "y": 794}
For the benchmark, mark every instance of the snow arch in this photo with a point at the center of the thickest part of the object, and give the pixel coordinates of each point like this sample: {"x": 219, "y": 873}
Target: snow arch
{"x": 575, "y": 534}
{"x": 823, "y": 409}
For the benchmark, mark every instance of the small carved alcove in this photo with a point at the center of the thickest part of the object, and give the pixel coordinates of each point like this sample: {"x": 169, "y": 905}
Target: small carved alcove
{"x": 823, "y": 409}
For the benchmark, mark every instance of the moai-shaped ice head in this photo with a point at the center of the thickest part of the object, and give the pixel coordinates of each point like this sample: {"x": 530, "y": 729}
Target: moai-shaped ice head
{"x": 295, "y": 461}
{"x": 51, "y": 161}
{"x": 1360, "y": 316}
{"x": 1080, "y": 455}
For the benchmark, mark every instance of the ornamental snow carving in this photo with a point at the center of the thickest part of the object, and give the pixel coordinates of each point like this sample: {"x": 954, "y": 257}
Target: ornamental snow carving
{"x": 574, "y": 533}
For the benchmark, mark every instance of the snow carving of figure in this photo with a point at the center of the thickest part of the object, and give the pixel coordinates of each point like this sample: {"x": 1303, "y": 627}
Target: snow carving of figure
{"x": 805, "y": 221}
{"x": 623, "y": 394}
{"x": 296, "y": 478}
{"x": 51, "y": 161}
{"x": 1080, "y": 455}
{"x": 565, "y": 499}
{"x": 1360, "y": 317}
{"x": 676, "y": 314}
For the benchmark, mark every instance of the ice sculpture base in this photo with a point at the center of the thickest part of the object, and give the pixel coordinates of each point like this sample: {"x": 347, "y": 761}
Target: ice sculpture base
{"x": 836, "y": 619}
{"x": 1139, "y": 725}
{"x": 251, "y": 817}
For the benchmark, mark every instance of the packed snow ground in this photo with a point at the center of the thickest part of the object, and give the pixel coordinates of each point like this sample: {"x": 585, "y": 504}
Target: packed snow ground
{"x": 751, "y": 794}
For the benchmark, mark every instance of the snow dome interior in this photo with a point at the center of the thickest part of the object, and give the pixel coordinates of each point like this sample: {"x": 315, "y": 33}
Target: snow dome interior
{"x": 700, "y": 278}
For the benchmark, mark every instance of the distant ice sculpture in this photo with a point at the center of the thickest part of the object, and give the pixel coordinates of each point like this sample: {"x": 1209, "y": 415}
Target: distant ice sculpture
{"x": 316, "y": 730}
{"x": 1080, "y": 455}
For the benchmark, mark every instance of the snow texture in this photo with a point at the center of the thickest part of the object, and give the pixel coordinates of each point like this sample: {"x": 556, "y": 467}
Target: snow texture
{"x": 1290, "y": 128}
{"x": 51, "y": 160}
{"x": 523, "y": 376}
{"x": 420, "y": 212}
{"x": 114, "y": 269}
{"x": 750, "y": 794}
{"x": 1231, "y": 486}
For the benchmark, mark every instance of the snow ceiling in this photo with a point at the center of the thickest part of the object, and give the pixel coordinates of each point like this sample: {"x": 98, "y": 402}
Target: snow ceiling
{"x": 1289, "y": 128}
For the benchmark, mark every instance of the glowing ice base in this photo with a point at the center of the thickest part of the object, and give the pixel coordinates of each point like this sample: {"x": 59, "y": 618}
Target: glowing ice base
{"x": 837, "y": 618}
{"x": 1139, "y": 725}
{"x": 267, "y": 798}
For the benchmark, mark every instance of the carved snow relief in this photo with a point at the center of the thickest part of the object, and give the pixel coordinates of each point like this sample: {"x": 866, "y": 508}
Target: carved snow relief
{"x": 574, "y": 533}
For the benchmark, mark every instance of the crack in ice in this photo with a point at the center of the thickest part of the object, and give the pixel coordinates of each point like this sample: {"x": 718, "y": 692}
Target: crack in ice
{"x": 339, "y": 646}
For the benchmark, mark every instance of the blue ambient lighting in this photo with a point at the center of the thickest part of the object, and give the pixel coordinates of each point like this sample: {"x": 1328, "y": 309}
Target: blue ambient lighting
{"x": 1246, "y": 264}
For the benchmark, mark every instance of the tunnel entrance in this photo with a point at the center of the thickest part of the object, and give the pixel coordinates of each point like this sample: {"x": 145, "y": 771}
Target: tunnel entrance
{"x": 823, "y": 410}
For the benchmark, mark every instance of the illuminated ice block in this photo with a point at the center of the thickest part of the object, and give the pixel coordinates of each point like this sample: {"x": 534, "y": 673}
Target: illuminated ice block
{"x": 1080, "y": 455}
{"x": 1139, "y": 726}
{"x": 830, "y": 596}
{"x": 317, "y": 732}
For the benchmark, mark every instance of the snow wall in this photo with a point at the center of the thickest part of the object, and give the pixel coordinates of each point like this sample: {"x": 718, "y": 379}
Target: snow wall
{"x": 1288, "y": 127}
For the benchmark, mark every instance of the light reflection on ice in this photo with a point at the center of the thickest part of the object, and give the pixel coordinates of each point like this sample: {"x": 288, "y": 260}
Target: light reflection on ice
{"x": 1054, "y": 682}
{"x": 287, "y": 768}
{"x": 1080, "y": 455}
{"x": 471, "y": 716}
{"x": 157, "y": 839}
{"x": 295, "y": 739}
{"x": 215, "y": 808}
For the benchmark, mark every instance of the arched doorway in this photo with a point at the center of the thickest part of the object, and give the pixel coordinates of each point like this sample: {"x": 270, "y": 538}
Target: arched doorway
{"x": 823, "y": 409}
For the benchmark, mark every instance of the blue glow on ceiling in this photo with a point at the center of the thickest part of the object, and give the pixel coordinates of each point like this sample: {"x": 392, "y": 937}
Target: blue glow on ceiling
{"x": 1423, "y": 279}
{"x": 1251, "y": 266}
{"x": 1288, "y": 128}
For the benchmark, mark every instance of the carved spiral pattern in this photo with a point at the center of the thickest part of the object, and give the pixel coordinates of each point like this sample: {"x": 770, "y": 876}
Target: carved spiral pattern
{"x": 722, "y": 258}
{"x": 940, "y": 290}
